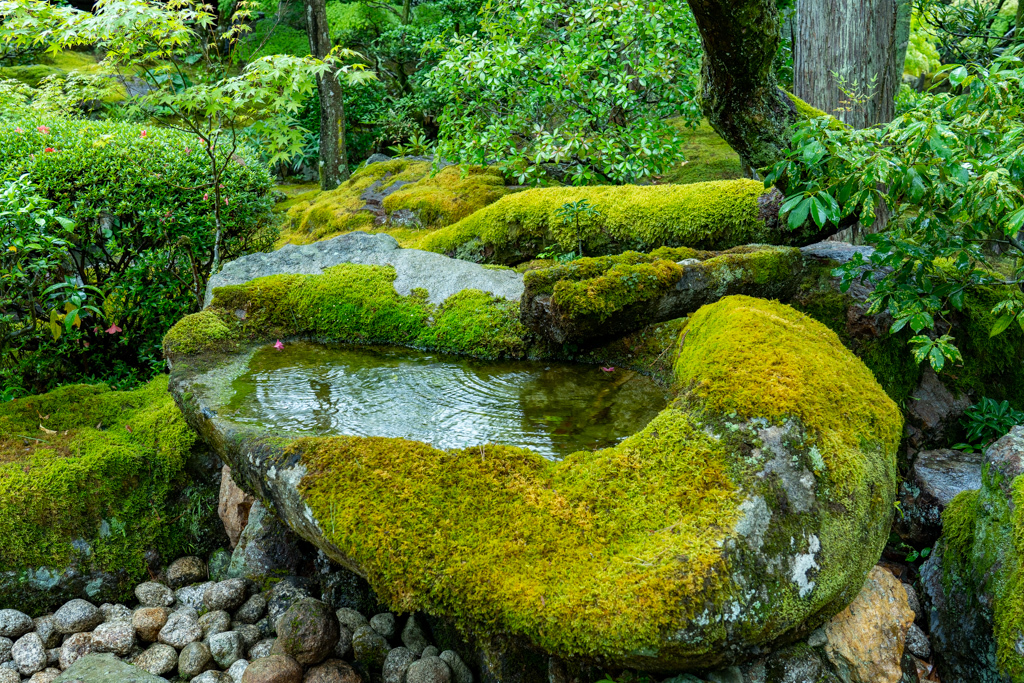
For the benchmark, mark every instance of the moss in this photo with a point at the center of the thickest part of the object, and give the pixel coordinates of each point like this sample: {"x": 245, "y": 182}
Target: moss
{"x": 606, "y": 552}
{"x": 196, "y": 333}
{"x": 806, "y": 111}
{"x": 351, "y": 303}
{"x": 619, "y": 286}
{"x": 702, "y": 215}
{"x": 708, "y": 157}
{"x": 31, "y": 75}
{"x": 438, "y": 200}
{"x": 958, "y": 522}
{"x": 89, "y": 478}
{"x": 448, "y": 196}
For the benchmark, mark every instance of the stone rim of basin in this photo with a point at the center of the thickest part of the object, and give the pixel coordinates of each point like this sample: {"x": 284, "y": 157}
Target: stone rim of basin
{"x": 790, "y": 440}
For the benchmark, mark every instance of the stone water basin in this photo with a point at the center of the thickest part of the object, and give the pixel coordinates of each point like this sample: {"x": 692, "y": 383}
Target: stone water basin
{"x": 447, "y": 401}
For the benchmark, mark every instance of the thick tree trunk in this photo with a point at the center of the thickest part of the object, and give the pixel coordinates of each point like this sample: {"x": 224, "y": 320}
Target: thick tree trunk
{"x": 848, "y": 57}
{"x": 333, "y": 161}
{"x": 741, "y": 97}
{"x": 1018, "y": 26}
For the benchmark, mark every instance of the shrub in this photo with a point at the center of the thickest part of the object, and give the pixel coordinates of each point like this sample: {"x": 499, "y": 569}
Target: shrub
{"x": 139, "y": 247}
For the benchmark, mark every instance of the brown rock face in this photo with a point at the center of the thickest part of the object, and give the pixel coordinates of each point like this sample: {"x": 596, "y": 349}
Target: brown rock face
{"x": 233, "y": 506}
{"x": 333, "y": 671}
{"x": 148, "y": 621}
{"x": 865, "y": 640}
{"x": 273, "y": 669}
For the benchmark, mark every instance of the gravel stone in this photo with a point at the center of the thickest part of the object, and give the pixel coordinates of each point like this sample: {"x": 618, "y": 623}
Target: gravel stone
{"x": 261, "y": 649}
{"x": 344, "y": 645}
{"x": 182, "y": 628}
{"x": 158, "y": 659}
{"x": 148, "y": 621}
{"x": 193, "y": 595}
{"x": 333, "y": 671}
{"x": 212, "y": 677}
{"x": 384, "y": 624}
{"x": 53, "y": 656}
{"x": 113, "y": 613}
{"x": 253, "y": 610}
{"x": 413, "y": 637}
{"x": 226, "y": 595}
{"x": 308, "y": 631}
{"x": 369, "y": 647}
{"x": 397, "y": 664}
{"x": 250, "y": 633}
{"x": 351, "y": 619}
{"x": 227, "y": 648}
{"x": 428, "y": 670}
{"x": 281, "y": 597}
{"x": 116, "y": 636}
{"x": 5, "y": 649}
{"x": 9, "y": 676}
{"x": 460, "y": 672}
{"x": 194, "y": 659}
{"x": 45, "y": 676}
{"x": 237, "y": 670}
{"x": 185, "y": 571}
{"x": 75, "y": 646}
{"x": 213, "y": 623}
{"x": 14, "y": 624}
{"x": 77, "y": 616}
{"x": 273, "y": 669}
{"x": 430, "y": 651}
{"x": 153, "y": 594}
{"x": 917, "y": 642}
{"x": 29, "y": 654}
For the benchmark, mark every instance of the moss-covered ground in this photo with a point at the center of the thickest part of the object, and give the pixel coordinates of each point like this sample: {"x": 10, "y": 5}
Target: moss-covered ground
{"x": 92, "y": 478}
{"x": 708, "y": 157}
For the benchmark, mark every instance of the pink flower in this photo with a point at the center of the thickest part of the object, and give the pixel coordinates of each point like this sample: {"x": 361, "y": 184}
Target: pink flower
{"x": 113, "y": 329}
{"x": 225, "y": 201}
{"x": 19, "y": 130}
{"x": 279, "y": 345}
{"x": 43, "y": 129}
{"x": 205, "y": 196}
{"x": 608, "y": 369}
{"x": 142, "y": 134}
{"x": 49, "y": 149}
{"x": 188, "y": 150}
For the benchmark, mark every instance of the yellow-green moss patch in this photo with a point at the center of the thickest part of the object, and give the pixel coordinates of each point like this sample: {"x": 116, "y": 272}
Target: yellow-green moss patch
{"x": 448, "y": 196}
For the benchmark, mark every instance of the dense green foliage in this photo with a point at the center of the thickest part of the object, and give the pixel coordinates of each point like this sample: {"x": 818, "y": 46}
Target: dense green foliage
{"x": 577, "y": 91}
{"x": 136, "y": 244}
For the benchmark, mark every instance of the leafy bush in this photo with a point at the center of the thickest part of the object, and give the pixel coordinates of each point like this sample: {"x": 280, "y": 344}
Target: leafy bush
{"x": 97, "y": 292}
{"x": 987, "y": 421}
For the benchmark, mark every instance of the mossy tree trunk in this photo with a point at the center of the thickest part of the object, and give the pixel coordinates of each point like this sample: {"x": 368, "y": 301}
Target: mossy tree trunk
{"x": 848, "y": 57}
{"x": 333, "y": 159}
{"x": 741, "y": 97}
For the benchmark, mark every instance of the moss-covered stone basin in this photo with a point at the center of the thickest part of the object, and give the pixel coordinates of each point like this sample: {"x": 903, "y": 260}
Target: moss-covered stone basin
{"x": 449, "y": 401}
{"x": 745, "y": 514}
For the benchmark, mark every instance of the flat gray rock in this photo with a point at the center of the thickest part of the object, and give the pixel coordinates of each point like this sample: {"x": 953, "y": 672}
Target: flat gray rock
{"x": 835, "y": 251}
{"x": 106, "y": 668}
{"x": 440, "y": 275}
{"x": 943, "y": 473}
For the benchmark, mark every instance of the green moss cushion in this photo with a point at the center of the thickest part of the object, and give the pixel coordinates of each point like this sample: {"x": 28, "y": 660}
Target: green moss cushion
{"x": 710, "y": 215}
{"x": 747, "y": 512}
{"x": 89, "y": 479}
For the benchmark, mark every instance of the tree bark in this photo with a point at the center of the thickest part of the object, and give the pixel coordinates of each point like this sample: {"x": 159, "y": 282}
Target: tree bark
{"x": 1018, "y": 24}
{"x": 740, "y": 94}
{"x": 333, "y": 160}
{"x": 854, "y": 45}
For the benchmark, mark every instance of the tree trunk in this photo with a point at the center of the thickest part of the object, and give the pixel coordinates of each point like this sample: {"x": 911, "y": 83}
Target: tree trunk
{"x": 1018, "y": 25}
{"x": 848, "y": 57}
{"x": 333, "y": 161}
{"x": 740, "y": 95}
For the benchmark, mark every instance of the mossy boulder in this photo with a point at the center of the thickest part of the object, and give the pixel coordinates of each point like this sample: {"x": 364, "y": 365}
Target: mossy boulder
{"x": 90, "y": 480}
{"x": 710, "y": 215}
{"x": 744, "y": 515}
{"x": 400, "y": 193}
{"x": 975, "y": 578}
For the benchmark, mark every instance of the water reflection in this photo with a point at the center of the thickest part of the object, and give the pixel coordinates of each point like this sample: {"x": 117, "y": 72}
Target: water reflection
{"x": 448, "y": 401}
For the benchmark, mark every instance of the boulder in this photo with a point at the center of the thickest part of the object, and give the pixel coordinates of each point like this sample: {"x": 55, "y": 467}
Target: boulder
{"x": 936, "y": 478}
{"x": 866, "y": 640}
{"x": 186, "y": 571}
{"x": 973, "y": 578}
{"x": 77, "y": 616}
{"x": 267, "y": 547}
{"x": 273, "y": 669}
{"x": 233, "y": 506}
{"x": 933, "y": 412}
{"x": 105, "y": 668}
{"x": 333, "y": 671}
{"x": 789, "y": 435}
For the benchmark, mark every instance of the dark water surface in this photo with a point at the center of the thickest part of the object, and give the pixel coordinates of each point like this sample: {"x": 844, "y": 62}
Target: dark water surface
{"x": 448, "y": 401}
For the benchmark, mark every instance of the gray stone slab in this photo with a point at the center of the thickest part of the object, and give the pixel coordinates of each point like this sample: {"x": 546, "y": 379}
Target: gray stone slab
{"x": 105, "y": 668}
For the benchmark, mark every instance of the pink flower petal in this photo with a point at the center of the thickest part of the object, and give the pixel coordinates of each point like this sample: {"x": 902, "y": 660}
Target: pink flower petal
{"x": 113, "y": 329}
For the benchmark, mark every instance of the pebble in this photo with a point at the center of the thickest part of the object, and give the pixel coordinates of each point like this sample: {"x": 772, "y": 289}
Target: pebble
{"x": 194, "y": 659}
{"x": 460, "y": 672}
{"x": 369, "y": 647}
{"x": 46, "y": 627}
{"x": 428, "y": 670}
{"x": 253, "y": 610}
{"x": 158, "y": 659}
{"x": 29, "y": 654}
{"x": 333, "y": 671}
{"x": 14, "y": 624}
{"x": 45, "y": 676}
{"x": 344, "y": 645}
{"x": 193, "y": 595}
{"x": 237, "y": 670}
{"x": 75, "y": 646}
{"x": 351, "y": 619}
{"x": 112, "y": 613}
{"x": 117, "y": 637}
{"x": 212, "y": 677}
{"x": 384, "y": 624}
{"x": 225, "y": 595}
{"x": 185, "y": 571}
{"x": 148, "y": 621}
{"x": 261, "y": 649}
{"x": 77, "y": 616}
{"x": 153, "y": 594}
{"x": 9, "y": 676}
{"x": 213, "y": 623}
{"x": 397, "y": 664}
{"x": 430, "y": 651}
{"x": 227, "y": 648}
{"x": 5, "y": 649}
{"x": 182, "y": 628}
{"x": 273, "y": 669}
{"x": 413, "y": 637}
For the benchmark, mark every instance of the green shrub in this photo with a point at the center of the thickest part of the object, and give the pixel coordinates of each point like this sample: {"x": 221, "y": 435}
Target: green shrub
{"x": 139, "y": 249}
